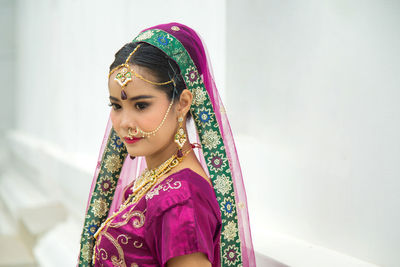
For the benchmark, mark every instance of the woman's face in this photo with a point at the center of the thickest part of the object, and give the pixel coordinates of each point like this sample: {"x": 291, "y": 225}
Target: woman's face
{"x": 144, "y": 108}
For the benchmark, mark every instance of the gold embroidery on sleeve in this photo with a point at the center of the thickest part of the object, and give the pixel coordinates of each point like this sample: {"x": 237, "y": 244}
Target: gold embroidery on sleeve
{"x": 128, "y": 215}
{"x": 137, "y": 244}
{"x": 103, "y": 254}
{"x": 137, "y": 223}
{"x": 120, "y": 260}
{"x": 123, "y": 239}
{"x": 164, "y": 187}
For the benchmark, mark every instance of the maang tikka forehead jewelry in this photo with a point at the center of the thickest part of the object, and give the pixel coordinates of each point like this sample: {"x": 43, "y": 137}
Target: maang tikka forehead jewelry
{"x": 124, "y": 76}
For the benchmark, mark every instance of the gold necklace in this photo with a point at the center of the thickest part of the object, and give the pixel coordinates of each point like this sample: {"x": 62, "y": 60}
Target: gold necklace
{"x": 143, "y": 184}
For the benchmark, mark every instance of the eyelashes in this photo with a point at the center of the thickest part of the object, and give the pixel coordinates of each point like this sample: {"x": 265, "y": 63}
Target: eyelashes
{"x": 139, "y": 106}
{"x": 114, "y": 106}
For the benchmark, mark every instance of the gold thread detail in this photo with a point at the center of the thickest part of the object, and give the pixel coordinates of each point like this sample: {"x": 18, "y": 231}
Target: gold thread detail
{"x": 175, "y": 28}
{"x": 137, "y": 244}
{"x": 115, "y": 260}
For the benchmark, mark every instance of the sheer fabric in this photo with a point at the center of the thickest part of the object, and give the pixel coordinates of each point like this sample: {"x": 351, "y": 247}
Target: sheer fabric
{"x": 209, "y": 127}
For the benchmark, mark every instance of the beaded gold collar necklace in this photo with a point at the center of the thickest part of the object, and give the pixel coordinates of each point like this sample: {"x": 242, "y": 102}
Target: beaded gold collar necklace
{"x": 144, "y": 183}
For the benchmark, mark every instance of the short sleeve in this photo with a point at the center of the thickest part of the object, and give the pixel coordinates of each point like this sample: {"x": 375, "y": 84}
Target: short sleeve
{"x": 185, "y": 224}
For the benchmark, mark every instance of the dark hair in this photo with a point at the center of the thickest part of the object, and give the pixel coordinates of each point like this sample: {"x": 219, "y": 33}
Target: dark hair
{"x": 157, "y": 62}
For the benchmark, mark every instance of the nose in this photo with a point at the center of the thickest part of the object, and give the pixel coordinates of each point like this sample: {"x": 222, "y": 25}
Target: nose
{"x": 127, "y": 121}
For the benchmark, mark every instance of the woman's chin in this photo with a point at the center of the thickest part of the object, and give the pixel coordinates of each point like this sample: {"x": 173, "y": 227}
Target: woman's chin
{"x": 134, "y": 153}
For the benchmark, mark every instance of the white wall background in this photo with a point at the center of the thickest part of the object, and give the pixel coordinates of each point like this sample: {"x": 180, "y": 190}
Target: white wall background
{"x": 62, "y": 53}
{"x": 7, "y": 61}
{"x": 66, "y": 47}
{"x": 313, "y": 92}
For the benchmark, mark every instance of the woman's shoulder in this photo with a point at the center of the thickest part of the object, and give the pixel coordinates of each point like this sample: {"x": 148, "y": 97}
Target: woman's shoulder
{"x": 183, "y": 183}
{"x": 180, "y": 188}
{"x": 192, "y": 177}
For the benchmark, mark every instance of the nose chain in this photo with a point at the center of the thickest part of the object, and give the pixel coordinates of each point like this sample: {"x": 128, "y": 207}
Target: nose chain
{"x": 152, "y": 133}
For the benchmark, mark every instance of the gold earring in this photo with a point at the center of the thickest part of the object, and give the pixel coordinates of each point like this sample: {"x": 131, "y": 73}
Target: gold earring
{"x": 180, "y": 137}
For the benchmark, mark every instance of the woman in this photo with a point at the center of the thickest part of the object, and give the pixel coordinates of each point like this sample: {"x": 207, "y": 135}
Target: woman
{"x": 188, "y": 207}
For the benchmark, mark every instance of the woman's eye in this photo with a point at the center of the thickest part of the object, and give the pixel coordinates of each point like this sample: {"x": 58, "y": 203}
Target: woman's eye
{"x": 141, "y": 105}
{"x": 114, "y": 106}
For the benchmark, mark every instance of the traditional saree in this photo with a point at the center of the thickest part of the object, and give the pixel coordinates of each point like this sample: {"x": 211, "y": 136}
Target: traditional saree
{"x": 183, "y": 214}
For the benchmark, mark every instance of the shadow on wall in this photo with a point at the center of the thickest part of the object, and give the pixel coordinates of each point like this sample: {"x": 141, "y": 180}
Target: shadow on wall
{"x": 263, "y": 260}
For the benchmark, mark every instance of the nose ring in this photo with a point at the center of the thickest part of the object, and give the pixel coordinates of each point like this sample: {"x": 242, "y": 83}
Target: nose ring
{"x": 130, "y": 134}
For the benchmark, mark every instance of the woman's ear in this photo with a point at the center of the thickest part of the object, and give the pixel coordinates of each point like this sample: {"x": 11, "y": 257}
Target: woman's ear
{"x": 185, "y": 101}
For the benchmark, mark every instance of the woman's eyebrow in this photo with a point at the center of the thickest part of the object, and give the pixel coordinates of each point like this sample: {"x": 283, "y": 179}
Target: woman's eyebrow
{"x": 140, "y": 97}
{"x": 133, "y": 98}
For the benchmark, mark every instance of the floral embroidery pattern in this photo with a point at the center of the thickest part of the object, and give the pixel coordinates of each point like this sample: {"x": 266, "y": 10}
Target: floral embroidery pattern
{"x": 211, "y": 139}
{"x": 192, "y": 77}
{"x": 113, "y": 163}
{"x": 91, "y": 227}
{"x": 117, "y": 143}
{"x": 86, "y": 251}
{"x": 100, "y": 207}
{"x": 230, "y": 231}
{"x": 163, "y": 40}
{"x": 231, "y": 255}
{"x": 102, "y": 196}
{"x": 212, "y": 143}
{"x": 217, "y": 161}
{"x": 228, "y": 207}
{"x": 223, "y": 184}
{"x": 213, "y": 148}
{"x": 199, "y": 96}
{"x": 107, "y": 185}
{"x": 180, "y": 55}
{"x": 144, "y": 36}
{"x": 204, "y": 116}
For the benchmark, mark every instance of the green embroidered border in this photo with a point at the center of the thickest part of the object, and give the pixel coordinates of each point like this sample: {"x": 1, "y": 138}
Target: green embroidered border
{"x": 110, "y": 168}
{"x": 213, "y": 151}
{"x": 211, "y": 139}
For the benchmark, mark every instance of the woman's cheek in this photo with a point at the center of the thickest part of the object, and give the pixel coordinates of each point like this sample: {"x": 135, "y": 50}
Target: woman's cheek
{"x": 115, "y": 122}
{"x": 148, "y": 122}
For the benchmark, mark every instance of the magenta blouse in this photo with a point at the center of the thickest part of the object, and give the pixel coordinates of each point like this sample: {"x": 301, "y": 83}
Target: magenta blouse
{"x": 179, "y": 216}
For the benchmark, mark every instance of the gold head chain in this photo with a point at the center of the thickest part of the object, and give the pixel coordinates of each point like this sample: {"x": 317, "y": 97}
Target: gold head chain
{"x": 125, "y": 74}
{"x": 123, "y": 77}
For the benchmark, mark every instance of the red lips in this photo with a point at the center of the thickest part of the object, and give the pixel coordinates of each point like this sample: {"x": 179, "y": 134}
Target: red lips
{"x": 131, "y": 140}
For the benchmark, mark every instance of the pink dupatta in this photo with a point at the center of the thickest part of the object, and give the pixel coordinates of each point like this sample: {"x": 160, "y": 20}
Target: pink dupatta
{"x": 209, "y": 127}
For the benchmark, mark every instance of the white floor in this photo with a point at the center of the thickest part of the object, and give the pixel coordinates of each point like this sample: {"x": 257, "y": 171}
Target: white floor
{"x": 38, "y": 230}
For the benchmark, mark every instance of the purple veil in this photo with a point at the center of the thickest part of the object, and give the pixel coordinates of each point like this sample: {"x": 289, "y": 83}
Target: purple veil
{"x": 209, "y": 126}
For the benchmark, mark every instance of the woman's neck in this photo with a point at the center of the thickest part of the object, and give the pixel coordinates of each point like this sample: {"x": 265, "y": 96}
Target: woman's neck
{"x": 155, "y": 160}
